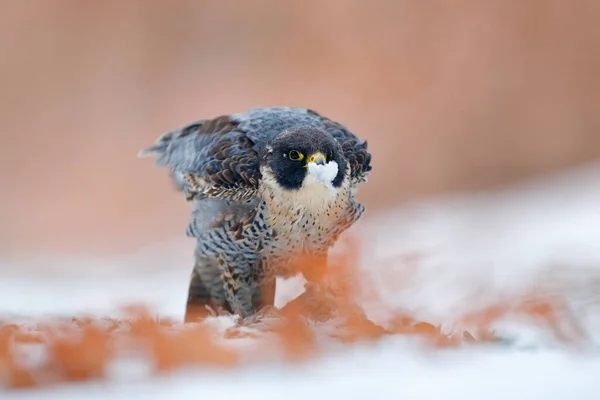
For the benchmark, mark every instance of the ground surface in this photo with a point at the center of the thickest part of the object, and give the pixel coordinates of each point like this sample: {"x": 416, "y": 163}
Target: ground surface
{"x": 523, "y": 263}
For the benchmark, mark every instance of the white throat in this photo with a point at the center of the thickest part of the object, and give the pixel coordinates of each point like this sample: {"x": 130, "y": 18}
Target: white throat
{"x": 316, "y": 193}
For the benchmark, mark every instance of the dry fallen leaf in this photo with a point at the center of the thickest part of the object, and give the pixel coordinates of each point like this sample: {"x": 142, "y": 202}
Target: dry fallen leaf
{"x": 81, "y": 348}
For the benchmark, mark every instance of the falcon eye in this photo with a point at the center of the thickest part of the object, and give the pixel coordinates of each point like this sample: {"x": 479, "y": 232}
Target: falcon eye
{"x": 295, "y": 155}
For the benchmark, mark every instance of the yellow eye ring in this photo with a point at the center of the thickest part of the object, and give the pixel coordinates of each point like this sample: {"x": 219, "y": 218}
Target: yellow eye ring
{"x": 295, "y": 155}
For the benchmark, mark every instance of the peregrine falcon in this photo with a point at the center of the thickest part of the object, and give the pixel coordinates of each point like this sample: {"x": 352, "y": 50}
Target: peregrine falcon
{"x": 267, "y": 187}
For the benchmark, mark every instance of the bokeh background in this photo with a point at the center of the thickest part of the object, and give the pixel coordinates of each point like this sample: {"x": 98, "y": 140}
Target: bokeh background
{"x": 451, "y": 95}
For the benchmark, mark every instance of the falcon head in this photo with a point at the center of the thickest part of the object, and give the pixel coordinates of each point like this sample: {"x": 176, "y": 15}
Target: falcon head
{"x": 305, "y": 159}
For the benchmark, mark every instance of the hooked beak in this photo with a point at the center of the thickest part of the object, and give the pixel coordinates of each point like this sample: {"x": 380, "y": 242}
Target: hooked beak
{"x": 317, "y": 158}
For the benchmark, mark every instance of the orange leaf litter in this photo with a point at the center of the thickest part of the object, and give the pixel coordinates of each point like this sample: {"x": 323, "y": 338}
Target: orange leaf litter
{"x": 81, "y": 349}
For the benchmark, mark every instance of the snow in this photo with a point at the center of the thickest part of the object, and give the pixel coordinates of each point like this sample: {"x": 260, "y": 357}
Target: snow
{"x": 436, "y": 259}
{"x": 324, "y": 174}
{"x": 378, "y": 373}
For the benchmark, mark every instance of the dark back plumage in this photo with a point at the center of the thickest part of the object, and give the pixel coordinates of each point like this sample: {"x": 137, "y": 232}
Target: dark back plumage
{"x": 220, "y": 157}
{"x": 249, "y": 230}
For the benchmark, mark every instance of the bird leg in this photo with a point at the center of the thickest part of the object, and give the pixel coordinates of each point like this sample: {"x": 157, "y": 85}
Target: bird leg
{"x": 264, "y": 319}
{"x": 264, "y": 302}
{"x": 250, "y": 290}
{"x": 264, "y": 296}
{"x": 239, "y": 282}
{"x": 200, "y": 302}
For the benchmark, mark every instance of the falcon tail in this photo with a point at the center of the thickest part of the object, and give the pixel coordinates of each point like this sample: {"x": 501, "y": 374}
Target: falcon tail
{"x": 160, "y": 148}
{"x": 163, "y": 144}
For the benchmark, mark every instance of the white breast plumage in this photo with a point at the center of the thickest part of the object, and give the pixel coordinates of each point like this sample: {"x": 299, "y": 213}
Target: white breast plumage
{"x": 303, "y": 218}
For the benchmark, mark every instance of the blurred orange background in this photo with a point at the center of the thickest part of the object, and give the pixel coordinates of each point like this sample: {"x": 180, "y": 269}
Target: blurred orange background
{"x": 451, "y": 95}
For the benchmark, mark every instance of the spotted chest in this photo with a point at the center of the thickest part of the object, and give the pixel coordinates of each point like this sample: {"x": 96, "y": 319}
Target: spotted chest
{"x": 307, "y": 221}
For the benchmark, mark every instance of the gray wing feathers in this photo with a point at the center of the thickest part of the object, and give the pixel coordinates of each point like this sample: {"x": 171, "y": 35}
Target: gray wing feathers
{"x": 219, "y": 157}
{"x": 181, "y": 148}
{"x": 209, "y": 213}
{"x": 209, "y": 158}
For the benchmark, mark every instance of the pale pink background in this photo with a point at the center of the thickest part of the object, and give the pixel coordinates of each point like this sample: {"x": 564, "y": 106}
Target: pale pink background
{"x": 452, "y": 95}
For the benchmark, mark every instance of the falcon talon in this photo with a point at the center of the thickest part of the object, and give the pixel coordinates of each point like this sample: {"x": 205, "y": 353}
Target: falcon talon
{"x": 264, "y": 320}
{"x": 212, "y": 312}
{"x": 268, "y": 187}
{"x": 249, "y": 321}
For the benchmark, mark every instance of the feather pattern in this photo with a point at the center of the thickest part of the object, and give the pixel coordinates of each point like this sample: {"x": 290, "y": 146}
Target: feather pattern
{"x": 220, "y": 157}
{"x": 248, "y": 227}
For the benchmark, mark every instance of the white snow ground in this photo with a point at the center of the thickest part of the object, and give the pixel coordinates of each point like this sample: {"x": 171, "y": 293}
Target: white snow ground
{"x": 474, "y": 251}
